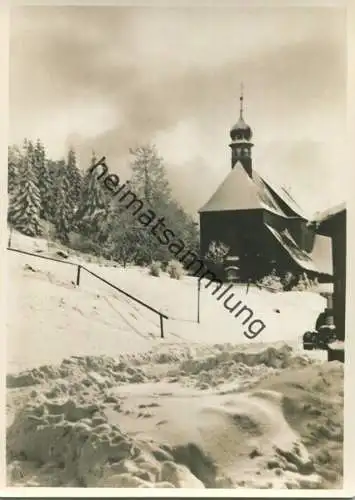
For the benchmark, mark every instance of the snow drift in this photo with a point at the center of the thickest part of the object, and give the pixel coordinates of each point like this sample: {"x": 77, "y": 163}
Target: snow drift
{"x": 263, "y": 419}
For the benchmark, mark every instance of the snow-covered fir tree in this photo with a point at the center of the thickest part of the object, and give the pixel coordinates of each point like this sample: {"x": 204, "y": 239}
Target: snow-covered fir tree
{"x": 55, "y": 168}
{"x": 63, "y": 212}
{"x": 124, "y": 235}
{"x": 45, "y": 182}
{"x": 24, "y": 208}
{"x": 149, "y": 178}
{"x": 14, "y": 159}
{"x": 149, "y": 181}
{"x": 75, "y": 179}
{"x": 93, "y": 207}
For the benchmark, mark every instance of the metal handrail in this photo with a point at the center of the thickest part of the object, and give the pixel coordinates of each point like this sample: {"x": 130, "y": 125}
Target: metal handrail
{"x": 79, "y": 267}
{"x": 41, "y": 256}
{"x": 125, "y": 293}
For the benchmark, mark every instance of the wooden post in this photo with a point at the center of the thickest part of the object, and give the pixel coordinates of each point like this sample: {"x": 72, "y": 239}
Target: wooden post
{"x": 78, "y": 276}
{"x": 198, "y": 299}
{"x": 10, "y": 238}
{"x": 161, "y": 327}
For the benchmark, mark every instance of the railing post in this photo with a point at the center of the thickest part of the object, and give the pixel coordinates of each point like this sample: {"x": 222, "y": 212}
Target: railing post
{"x": 161, "y": 327}
{"x": 10, "y": 238}
{"x": 78, "y": 276}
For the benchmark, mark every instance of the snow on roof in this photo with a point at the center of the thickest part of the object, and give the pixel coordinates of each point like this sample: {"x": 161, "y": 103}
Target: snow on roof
{"x": 270, "y": 209}
{"x": 240, "y": 192}
{"x": 265, "y": 194}
{"x": 330, "y": 212}
{"x": 289, "y": 244}
{"x": 287, "y": 198}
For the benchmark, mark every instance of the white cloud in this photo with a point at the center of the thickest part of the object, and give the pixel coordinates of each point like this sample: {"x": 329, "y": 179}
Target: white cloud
{"x": 107, "y": 78}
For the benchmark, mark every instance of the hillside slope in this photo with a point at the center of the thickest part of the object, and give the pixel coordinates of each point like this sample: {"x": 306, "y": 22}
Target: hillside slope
{"x": 96, "y": 398}
{"x": 46, "y": 309}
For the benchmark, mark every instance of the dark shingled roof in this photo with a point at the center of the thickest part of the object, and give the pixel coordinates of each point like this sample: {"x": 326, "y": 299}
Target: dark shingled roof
{"x": 288, "y": 243}
{"x": 287, "y": 198}
{"x": 319, "y": 260}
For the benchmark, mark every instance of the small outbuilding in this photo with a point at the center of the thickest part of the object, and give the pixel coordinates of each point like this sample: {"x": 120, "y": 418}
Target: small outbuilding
{"x": 332, "y": 223}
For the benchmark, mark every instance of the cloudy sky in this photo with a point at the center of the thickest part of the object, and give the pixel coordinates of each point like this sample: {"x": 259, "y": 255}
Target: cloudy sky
{"x": 110, "y": 78}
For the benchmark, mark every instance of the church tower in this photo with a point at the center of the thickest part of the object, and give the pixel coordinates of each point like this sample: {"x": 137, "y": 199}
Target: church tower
{"x": 241, "y": 135}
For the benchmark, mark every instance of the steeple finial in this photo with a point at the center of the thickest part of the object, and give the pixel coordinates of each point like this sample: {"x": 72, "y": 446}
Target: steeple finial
{"x": 241, "y": 99}
{"x": 241, "y": 131}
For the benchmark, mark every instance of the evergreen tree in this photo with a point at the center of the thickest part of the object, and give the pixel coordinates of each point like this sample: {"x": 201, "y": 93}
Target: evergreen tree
{"x": 45, "y": 182}
{"x": 24, "y": 209}
{"x": 74, "y": 176}
{"x": 149, "y": 176}
{"x": 54, "y": 169}
{"x": 124, "y": 235}
{"x": 183, "y": 226}
{"x": 149, "y": 182}
{"x": 14, "y": 164}
{"x": 93, "y": 208}
{"x": 63, "y": 212}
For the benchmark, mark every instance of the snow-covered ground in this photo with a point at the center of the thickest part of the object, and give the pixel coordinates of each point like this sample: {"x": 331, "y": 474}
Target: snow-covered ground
{"x": 50, "y": 318}
{"x": 106, "y": 402}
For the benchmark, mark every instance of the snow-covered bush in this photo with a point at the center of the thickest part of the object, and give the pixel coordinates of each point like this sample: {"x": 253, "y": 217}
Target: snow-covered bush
{"x": 304, "y": 283}
{"x": 272, "y": 281}
{"x": 175, "y": 269}
{"x": 217, "y": 252}
{"x": 84, "y": 244}
{"x": 287, "y": 281}
{"x": 155, "y": 268}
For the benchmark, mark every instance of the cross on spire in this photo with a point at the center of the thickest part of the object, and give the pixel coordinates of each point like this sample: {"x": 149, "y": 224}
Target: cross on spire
{"x": 241, "y": 99}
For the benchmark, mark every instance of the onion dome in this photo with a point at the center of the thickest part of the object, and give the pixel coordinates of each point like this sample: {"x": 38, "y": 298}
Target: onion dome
{"x": 241, "y": 131}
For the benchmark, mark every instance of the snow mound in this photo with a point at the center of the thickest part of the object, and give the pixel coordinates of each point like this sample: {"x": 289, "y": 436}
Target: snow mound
{"x": 75, "y": 438}
{"x": 87, "y": 371}
{"x": 106, "y": 422}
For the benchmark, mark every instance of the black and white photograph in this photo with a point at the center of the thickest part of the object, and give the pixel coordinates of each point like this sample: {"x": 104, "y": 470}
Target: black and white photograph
{"x": 176, "y": 247}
